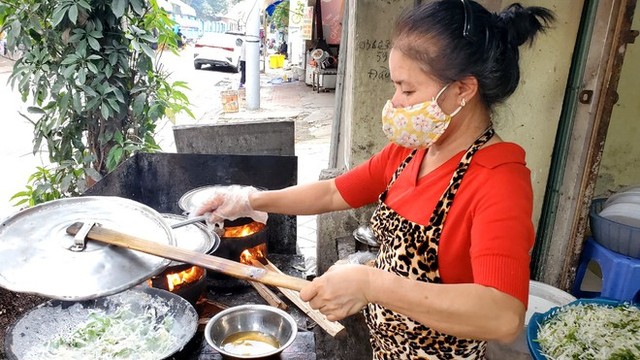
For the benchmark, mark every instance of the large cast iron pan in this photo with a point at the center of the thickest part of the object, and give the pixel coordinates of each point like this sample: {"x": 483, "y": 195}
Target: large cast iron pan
{"x": 56, "y": 318}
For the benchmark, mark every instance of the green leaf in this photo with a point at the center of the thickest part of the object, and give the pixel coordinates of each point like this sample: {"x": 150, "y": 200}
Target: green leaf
{"x": 115, "y": 154}
{"x": 58, "y": 15}
{"x": 138, "y": 104}
{"x": 76, "y": 37}
{"x": 118, "y": 7}
{"x": 113, "y": 104}
{"x": 72, "y": 59}
{"x": 93, "y": 174}
{"x": 36, "y": 144}
{"x": 118, "y": 94}
{"x": 113, "y": 58}
{"x": 191, "y": 115}
{"x": 108, "y": 71}
{"x": 137, "y": 7}
{"x": 35, "y": 110}
{"x": 104, "y": 110}
{"x": 82, "y": 76}
{"x": 92, "y": 67}
{"x": 69, "y": 71}
{"x": 117, "y": 137}
{"x": 148, "y": 51}
{"x": 84, "y": 4}
{"x": 77, "y": 103}
{"x": 66, "y": 183}
{"x": 148, "y": 37}
{"x": 95, "y": 45}
{"x": 64, "y": 101}
{"x": 131, "y": 148}
{"x": 19, "y": 194}
{"x": 89, "y": 91}
{"x": 156, "y": 111}
{"x": 20, "y": 202}
{"x": 91, "y": 104}
{"x": 181, "y": 84}
{"x": 73, "y": 14}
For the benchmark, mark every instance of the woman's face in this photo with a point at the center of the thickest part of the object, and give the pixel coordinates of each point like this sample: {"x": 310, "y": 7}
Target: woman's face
{"x": 413, "y": 85}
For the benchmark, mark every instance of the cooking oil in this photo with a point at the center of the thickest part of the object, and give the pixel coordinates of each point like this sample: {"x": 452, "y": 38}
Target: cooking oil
{"x": 250, "y": 343}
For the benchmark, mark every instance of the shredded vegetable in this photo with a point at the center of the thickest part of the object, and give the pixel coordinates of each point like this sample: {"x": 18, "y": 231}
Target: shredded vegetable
{"x": 122, "y": 334}
{"x": 589, "y": 331}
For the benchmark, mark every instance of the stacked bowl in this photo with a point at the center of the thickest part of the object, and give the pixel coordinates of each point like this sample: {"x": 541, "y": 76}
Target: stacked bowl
{"x": 615, "y": 222}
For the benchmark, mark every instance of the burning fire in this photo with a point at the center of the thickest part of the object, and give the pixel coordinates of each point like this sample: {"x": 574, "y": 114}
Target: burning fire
{"x": 244, "y": 230}
{"x": 254, "y": 253}
{"x": 176, "y": 279}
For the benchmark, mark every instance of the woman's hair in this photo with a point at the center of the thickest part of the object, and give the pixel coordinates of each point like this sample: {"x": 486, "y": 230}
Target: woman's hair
{"x": 452, "y": 39}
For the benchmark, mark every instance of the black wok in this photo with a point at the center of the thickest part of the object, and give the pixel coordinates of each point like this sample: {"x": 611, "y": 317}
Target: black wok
{"x": 56, "y": 318}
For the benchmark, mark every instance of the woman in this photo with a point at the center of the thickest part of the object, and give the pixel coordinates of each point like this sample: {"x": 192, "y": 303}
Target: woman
{"x": 454, "y": 201}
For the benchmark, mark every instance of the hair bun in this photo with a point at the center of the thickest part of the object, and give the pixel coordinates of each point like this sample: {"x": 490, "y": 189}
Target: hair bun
{"x": 522, "y": 24}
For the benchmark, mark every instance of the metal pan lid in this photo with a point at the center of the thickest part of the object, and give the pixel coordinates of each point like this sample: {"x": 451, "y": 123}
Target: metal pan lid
{"x": 194, "y": 237}
{"x": 194, "y": 198}
{"x": 35, "y": 255}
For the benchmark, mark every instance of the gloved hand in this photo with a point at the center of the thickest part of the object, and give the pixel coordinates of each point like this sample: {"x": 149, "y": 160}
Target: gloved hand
{"x": 230, "y": 203}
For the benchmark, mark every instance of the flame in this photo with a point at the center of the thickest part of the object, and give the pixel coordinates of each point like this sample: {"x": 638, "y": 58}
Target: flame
{"x": 243, "y": 230}
{"x": 254, "y": 253}
{"x": 190, "y": 275}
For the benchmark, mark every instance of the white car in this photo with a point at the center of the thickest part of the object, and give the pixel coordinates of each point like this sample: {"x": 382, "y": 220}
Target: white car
{"x": 218, "y": 49}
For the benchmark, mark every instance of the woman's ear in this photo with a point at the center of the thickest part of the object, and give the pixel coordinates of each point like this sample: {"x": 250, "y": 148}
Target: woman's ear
{"x": 467, "y": 88}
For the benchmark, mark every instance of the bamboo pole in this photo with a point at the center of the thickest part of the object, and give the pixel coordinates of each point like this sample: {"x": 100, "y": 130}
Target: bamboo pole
{"x": 266, "y": 293}
{"x": 228, "y": 267}
{"x": 333, "y": 328}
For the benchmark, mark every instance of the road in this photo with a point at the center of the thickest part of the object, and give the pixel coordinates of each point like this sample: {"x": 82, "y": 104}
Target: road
{"x": 205, "y": 86}
{"x": 17, "y": 159}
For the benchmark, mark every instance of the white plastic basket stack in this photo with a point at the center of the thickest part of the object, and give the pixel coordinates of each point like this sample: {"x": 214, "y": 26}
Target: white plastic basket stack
{"x": 615, "y": 222}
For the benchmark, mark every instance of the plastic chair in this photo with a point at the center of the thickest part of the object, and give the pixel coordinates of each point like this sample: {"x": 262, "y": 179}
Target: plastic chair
{"x": 620, "y": 273}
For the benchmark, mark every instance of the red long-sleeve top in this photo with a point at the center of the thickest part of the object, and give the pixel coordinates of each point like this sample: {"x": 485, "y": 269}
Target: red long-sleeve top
{"x": 488, "y": 233}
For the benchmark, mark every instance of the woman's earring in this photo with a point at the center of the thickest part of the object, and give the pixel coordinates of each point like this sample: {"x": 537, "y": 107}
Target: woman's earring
{"x": 463, "y": 102}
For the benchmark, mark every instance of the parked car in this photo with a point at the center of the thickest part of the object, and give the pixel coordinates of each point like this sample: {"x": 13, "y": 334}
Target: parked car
{"x": 218, "y": 50}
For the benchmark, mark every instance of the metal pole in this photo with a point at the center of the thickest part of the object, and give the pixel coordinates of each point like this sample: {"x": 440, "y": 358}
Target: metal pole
{"x": 264, "y": 54}
{"x": 252, "y": 39}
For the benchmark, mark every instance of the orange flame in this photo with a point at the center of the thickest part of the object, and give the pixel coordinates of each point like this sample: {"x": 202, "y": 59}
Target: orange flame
{"x": 244, "y": 230}
{"x": 190, "y": 275}
{"x": 254, "y": 253}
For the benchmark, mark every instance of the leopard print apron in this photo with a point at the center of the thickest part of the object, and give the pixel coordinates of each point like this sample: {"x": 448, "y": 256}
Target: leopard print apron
{"x": 410, "y": 250}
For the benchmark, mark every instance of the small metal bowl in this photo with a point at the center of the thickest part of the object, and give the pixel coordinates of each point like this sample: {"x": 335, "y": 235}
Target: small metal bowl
{"x": 264, "y": 319}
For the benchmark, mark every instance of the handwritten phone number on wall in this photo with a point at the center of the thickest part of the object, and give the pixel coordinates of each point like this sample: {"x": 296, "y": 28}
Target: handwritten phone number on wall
{"x": 368, "y": 44}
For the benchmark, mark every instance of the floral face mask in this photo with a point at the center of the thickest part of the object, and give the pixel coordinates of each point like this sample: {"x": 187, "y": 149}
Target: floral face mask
{"x": 416, "y": 126}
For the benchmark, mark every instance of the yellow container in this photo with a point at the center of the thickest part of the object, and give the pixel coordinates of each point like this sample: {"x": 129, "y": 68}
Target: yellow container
{"x": 229, "y": 101}
{"x": 276, "y": 61}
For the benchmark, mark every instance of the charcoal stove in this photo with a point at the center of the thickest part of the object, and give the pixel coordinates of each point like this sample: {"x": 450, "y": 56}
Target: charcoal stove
{"x": 185, "y": 280}
{"x": 240, "y": 235}
{"x": 159, "y": 180}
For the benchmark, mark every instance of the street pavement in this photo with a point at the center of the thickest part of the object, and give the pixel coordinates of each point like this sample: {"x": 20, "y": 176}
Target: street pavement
{"x": 311, "y": 111}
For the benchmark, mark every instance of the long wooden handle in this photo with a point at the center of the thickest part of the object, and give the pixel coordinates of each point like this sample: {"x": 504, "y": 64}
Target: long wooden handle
{"x": 269, "y": 296}
{"x": 228, "y": 267}
{"x": 333, "y": 328}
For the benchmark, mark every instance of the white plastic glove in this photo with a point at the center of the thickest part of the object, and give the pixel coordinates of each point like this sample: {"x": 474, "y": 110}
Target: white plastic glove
{"x": 230, "y": 203}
